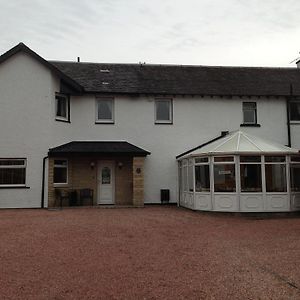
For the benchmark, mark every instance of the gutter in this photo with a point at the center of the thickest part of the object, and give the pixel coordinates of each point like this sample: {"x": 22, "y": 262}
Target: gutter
{"x": 288, "y": 116}
{"x": 43, "y": 182}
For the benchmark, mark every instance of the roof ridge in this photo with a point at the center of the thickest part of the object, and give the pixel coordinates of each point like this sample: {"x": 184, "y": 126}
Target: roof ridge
{"x": 172, "y": 65}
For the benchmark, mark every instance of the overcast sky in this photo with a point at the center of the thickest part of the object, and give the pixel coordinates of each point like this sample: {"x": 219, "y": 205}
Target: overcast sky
{"x": 203, "y": 32}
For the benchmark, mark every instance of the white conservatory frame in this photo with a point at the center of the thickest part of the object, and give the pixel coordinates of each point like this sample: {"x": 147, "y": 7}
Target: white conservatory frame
{"x": 237, "y": 201}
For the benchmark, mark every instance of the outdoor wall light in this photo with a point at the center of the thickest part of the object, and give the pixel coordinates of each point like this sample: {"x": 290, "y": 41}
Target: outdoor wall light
{"x": 92, "y": 164}
{"x": 120, "y": 165}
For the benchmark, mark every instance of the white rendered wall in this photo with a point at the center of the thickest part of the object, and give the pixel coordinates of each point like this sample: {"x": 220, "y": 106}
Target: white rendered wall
{"x": 196, "y": 120}
{"x": 27, "y": 125}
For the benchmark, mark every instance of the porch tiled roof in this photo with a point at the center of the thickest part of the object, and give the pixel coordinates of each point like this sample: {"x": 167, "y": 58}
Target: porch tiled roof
{"x": 98, "y": 147}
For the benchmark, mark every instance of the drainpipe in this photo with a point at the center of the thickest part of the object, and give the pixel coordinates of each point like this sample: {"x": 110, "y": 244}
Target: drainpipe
{"x": 288, "y": 115}
{"x": 43, "y": 182}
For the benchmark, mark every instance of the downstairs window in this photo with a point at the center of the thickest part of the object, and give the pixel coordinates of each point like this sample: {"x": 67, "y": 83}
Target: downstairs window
{"x": 12, "y": 172}
{"x": 60, "y": 175}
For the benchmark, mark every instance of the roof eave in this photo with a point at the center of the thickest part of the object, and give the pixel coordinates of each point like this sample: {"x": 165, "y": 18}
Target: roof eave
{"x": 80, "y": 153}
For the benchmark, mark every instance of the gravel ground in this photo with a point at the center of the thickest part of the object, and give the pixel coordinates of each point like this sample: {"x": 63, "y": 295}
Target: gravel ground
{"x": 150, "y": 253}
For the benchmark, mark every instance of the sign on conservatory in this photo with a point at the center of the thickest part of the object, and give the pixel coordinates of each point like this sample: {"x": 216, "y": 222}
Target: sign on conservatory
{"x": 240, "y": 172}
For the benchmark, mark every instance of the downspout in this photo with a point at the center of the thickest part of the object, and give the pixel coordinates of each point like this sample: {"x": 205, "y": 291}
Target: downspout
{"x": 43, "y": 182}
{"x": 288, "y": 115}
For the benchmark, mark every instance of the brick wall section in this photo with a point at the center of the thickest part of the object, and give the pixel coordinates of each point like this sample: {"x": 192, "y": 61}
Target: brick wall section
{"x": 51, "y": 196}
{"x": 123, "y": 182}
{"x": 138, "y": 181}
{"x": 52, "y": 201}
{"x": 84, "y": 176}
{"x": 81, "y": 175}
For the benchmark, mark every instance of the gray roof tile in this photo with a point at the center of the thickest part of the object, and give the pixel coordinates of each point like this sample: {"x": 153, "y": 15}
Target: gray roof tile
{"x": 176, "y": 79}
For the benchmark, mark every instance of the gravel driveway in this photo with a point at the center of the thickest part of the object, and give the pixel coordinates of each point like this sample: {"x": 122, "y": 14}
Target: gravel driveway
{"x": 151, "y": 253}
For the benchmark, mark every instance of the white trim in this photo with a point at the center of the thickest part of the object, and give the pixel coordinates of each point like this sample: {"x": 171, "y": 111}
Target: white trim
{"x": 24, "y": 166}
{"x": 254, "y": 110}
{"x": 67, "y": 98}
{"x": 61, "y": 167}
{"x": 113, "y": 179}
{"x": 107, "y": 121}
{"x": 157, "y": 121}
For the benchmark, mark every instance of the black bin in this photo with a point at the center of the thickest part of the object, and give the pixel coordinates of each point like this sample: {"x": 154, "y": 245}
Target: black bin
{"x": 164, "y": 196}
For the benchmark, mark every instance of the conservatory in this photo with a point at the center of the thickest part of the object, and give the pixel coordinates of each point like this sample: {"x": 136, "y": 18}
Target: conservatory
{"x": 239, "y": 172}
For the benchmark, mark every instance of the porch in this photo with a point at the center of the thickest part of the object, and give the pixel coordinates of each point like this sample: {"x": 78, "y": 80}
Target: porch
{"x": 96, "y": 173}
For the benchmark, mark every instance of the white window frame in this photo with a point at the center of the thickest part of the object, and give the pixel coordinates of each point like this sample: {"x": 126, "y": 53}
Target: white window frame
{"x": 224, "y": 162}
{"x": 284, "y": 163}
{"x": 251, "y": 163}
{"x": 62, "y": 167}
{"x": 292, "y": 163}
{"x": 24, "y": 166}
{"x": 252, "y": 110}
{"x": 67, "y": 98}
{"x": 203, "y": 163}
{"x": 169, "y": 100}
{"x": 105, "y": 121}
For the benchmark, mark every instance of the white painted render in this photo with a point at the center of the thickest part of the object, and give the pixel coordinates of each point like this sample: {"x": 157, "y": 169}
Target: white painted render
{"x": 196, "y": 120}
{"x": 28, "y": 127}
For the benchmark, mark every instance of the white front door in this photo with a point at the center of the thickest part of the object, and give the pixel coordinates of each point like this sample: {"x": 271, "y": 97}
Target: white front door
{"x": 106, "y": 182}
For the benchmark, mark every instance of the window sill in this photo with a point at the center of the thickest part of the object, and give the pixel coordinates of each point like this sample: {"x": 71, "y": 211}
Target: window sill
{"x": 163, "y": 123}
{"x": 14, "y": 187}
{"x": 105, "y": 122}
{"x": 62, "y": 120}
{"x": 294, "y": 122}
{"x": 250, "y": 125}
{"x": 57, "y": 185}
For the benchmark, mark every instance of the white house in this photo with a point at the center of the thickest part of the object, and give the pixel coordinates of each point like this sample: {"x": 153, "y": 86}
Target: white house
{"x": 116, "y": 134}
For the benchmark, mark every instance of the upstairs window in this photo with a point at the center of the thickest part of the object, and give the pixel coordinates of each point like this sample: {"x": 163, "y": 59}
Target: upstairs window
{"x": 104, "y": 110}
{"x": 62, "y": 108}
{"x": 12, "y": 172}
{"x": 249, "y": 113}
{"x": 295, "y": 111}
{"x": 163, "y": 111}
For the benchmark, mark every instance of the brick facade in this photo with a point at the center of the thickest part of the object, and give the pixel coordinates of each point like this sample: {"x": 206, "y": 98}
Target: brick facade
{"x": 82, "y": 173}
{"x": 138, "y": 181}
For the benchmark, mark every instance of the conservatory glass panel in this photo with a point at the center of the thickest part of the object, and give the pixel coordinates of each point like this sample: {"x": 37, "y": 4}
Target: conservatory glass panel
{"x": 295, "y": 158}
{"x": 224, "y": 177}
{"x": 250, "y": 159}
{"x": 184, "y": 177}
{"x": 295, "y": 177}
{"x": 275, "y": 178}
{"x": 251, "y": 178}
{"x": 200, "y": 160}
{"x": 274, "y": 158}
{"x": 202, "y": 180}
{"x": 190, "y": 179}
{"x": 223, "y": 158}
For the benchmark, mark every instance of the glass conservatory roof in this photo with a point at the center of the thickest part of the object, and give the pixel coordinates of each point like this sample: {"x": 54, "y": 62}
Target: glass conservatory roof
{"x": 239, "y": 142}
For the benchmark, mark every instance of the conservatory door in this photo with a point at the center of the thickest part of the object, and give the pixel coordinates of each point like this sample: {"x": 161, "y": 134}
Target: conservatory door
{"x": 106, "y": 188}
